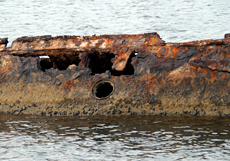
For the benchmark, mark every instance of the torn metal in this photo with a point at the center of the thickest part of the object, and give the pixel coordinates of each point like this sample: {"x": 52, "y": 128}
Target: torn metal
{"x": 114, "y": 75}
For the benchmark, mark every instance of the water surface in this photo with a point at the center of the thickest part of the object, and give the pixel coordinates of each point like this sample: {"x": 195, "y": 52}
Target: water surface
{"x": 177, "y": 20}
{"x": 115, "y": 138}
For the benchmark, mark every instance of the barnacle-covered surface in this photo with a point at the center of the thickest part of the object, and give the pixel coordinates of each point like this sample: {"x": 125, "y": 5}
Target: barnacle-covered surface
{"x": 114, "y": 75}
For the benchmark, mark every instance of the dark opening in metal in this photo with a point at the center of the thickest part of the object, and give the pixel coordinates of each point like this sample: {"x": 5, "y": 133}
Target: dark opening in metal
{"x": 60, "y": 62}
{"x": 103, "y": 88}
{"x": 45, "y": 62}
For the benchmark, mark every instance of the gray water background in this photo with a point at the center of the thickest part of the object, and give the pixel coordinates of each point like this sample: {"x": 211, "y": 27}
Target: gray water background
{"x": 174, "y": 20}
{"x": 115, "y": 138}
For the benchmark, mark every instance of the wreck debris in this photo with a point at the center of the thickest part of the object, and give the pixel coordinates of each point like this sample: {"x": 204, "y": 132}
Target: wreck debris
{"x": 115, "y": 75}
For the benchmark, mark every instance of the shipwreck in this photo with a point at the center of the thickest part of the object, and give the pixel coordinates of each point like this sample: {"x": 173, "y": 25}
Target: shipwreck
{"x": 114, "y": 75}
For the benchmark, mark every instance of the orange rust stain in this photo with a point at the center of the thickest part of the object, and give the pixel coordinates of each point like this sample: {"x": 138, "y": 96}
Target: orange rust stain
{"x": 131, "y": 78}
{"x": 34, "y": 44}
{"x": 68, "y": 84}
{"x": 148, "y": 71}
{"x": 174, "y": 52}
{"x": 33, "y": 74}
{"x": 205, "y": 71}
{"x": 132, "y": 38}
{"x": 213, "y": 75}
{"x": 90, "y": 81}
{"x": 17, "y": 75}
{"x": 120, "y": 62}
{"x": 151, "y": 81}
{"x": 194, "y": 68}
{"x": 154, "y": 39}
{"x": 107, "y": 42}
{"x": 223, "y": 75}
{"x": 120, "y": 57}
{"x": 201, "y": 80}
{"x": 136, "y": 37}
{"x": 207, "y": 48}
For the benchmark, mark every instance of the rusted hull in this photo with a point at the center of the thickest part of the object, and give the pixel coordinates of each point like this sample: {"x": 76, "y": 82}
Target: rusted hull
{"x": 115, "y": 75}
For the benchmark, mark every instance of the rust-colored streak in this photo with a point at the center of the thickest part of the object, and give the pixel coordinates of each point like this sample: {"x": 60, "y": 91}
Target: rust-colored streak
{"x": 107, "y": 42}
{"x": 213, "y": 76}
{"x": 205, "y": 71}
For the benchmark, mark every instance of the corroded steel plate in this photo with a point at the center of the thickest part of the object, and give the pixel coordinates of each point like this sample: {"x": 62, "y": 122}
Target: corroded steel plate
{"x": 114, "y": 75}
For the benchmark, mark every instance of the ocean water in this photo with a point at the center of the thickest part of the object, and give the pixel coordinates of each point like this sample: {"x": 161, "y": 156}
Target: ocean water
{"x": 24, "y": 137}
{"x": 114, "y": 138}
{"x": 175, "y": 21}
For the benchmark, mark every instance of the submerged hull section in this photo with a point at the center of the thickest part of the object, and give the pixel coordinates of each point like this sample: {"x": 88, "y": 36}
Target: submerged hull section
{"x": 114, "y": 75}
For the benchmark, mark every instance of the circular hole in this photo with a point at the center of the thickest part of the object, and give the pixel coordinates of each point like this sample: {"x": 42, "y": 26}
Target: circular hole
{"x": 102, "y": 88}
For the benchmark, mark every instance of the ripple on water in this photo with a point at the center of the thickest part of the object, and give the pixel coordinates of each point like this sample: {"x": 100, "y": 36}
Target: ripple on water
{"x": 173, "y": 20}
{"x": 123, "y": 138}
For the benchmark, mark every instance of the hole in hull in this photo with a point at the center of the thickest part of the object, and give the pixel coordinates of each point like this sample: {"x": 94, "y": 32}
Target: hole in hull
{"x": 103, "y": 88}
{"x": 97, "y": 62}
{"x": 100, "y": 63}
{"x": 61, "y": 62}
{"x": 45, "y": 63}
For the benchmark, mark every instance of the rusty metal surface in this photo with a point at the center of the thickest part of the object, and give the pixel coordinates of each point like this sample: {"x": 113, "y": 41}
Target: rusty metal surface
{"x": 3, "y": 43}
{"x": 115, "y": 75}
